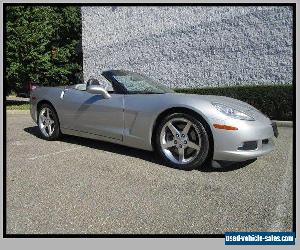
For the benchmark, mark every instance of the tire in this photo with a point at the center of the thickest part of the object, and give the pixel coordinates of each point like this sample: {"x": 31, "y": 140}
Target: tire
{"x": 48, "y": 121}
{"x": 187, "y": 146}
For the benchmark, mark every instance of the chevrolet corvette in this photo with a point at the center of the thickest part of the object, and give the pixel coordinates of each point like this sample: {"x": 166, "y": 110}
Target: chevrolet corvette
{"x": 185, "y": 130}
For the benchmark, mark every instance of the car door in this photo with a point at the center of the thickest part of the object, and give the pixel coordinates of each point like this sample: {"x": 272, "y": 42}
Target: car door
{"x": 93, "y": 114}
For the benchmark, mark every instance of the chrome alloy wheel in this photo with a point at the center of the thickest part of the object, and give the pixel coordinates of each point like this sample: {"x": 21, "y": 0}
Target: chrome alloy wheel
{"x": 46, "y": 122}
{"x": 180, "y": 140}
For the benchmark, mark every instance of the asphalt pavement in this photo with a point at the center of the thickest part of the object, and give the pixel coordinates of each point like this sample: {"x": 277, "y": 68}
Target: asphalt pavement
{"x": 79, "y": 185}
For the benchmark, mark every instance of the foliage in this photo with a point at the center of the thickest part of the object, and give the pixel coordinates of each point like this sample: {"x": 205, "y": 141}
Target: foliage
{"x": 18, "y": 106}
{"x": 276, "y": 101}
{"x": 42, "y": 45}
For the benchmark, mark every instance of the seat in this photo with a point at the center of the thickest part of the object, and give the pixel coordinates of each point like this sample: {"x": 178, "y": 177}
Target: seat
{"x": 92, "y": 81}
{"x": 81, "y": 86}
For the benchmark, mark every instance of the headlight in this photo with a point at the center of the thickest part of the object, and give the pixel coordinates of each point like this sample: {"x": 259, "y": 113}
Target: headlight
{"x": 232, "y": 112}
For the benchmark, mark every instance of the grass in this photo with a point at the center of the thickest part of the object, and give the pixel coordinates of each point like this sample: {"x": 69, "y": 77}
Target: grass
{"x": 21, "y": 106}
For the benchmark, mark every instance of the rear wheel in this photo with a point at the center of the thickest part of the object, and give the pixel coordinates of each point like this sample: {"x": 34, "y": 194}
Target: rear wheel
{"x": 48, "y": 122}
{"x": 182, "y": 141}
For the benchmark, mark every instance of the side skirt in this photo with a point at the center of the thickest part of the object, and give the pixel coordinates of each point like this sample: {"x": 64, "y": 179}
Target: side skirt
{"x": 127, "y": 142}
{"x": 89, "y": 135}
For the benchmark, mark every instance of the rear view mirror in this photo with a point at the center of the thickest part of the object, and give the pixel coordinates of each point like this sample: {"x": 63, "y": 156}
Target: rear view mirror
{"x": 97, "y": 90}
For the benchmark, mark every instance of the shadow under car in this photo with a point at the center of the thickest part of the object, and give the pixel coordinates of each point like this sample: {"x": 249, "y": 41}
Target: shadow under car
{"x": 209, "y": 166}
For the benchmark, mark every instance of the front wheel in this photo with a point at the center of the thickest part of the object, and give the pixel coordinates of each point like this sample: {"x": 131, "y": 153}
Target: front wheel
{"x": 182, "y": 141}
{"x": 48, "y": 122}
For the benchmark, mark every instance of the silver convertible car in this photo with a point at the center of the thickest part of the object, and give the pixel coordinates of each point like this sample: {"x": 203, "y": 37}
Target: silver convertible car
{"x": 185, "y": 130}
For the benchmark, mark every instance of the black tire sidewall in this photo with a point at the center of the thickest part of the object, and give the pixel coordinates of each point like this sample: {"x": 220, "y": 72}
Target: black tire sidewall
{"x": 202, "y": 156}
{"x": 56, "y": 133}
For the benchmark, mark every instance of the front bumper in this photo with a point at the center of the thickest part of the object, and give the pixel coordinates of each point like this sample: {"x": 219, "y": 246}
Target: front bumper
{"x": 228, "y": 144}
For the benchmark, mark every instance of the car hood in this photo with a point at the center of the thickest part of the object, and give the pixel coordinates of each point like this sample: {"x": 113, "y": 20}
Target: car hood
{"x": 234, "y": 103}
{"x": 231, "y": 102}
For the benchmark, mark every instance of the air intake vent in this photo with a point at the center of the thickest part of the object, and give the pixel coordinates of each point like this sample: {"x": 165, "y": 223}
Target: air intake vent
{"x": 248, "y": 145}
{"x": 265, "y": 141}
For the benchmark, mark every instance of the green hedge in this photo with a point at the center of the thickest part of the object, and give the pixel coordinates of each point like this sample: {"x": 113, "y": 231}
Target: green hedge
{"x": 276, "y": 101}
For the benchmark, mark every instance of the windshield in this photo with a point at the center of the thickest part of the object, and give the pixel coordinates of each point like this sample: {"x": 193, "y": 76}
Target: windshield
{"x": 139, "y": 84}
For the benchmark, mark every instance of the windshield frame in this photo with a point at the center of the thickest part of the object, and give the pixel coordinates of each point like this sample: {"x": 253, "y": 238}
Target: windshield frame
{"x": 120, "y": 88}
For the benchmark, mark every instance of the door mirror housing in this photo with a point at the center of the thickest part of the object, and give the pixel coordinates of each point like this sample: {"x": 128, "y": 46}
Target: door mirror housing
{"x": 97, "y": 90}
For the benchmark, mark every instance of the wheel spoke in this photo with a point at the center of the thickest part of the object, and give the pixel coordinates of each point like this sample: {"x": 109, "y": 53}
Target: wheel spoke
{"x": 193, "y": 145}
{"x": 181, "y": 155}
{"x": 173, "y": 129}
{"x": 47, "y": 113}
{"x": 49, "y": 130}
{"x": 43, "y": 118}
{"x": 187, "y": 128}
{"x": 51, "y": 122}
{"x": 168, "y": 144}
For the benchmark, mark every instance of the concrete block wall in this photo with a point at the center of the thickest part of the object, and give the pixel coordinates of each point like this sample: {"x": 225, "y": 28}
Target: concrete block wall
{"x": 190, "y": 46}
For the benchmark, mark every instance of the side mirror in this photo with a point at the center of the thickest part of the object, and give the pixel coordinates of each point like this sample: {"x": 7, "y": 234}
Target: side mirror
{"x": 97, "y": 90}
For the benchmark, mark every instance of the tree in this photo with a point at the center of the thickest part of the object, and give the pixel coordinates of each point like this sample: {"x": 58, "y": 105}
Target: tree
{"x": 41, "y": 45}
